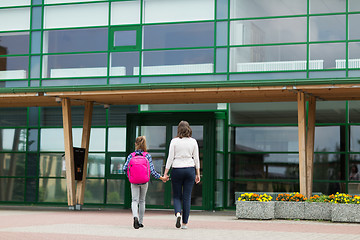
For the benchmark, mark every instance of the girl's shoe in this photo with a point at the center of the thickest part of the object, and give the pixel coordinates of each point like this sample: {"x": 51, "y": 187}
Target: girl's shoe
{"x": 141, "y": 225}
{"x": 136, "y": 223}
{"x": 183, "y": 227}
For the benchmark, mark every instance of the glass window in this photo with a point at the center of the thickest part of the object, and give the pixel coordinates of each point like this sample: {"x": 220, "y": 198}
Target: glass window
{"x": 94, "y": 191}
{"x": 35, "y": 67}
{"x": 15, "y": 139}
{"x": 354, "y": 55}
{"x": 68, "y": 1}
{"x": 179, "y": 35}
{"x": 268, "y": 31}
{"x": 13, "y": 19}
{"x": 264, "y": 139}
{"x": 36, "y": 17}
{"x": 354, "y": 166}
{"x": 52, "y": 190}
{"x": 332, "y": 55}
{"x": 117, "y": 139}
{"x": 222, "y": 9}
{"x": 354, "y": 31}
{"x": 221, "y": 60}
{"x": 329, "y": 188}
{"x": 14, "y": 43}
{"x": 75, "y": 65}
{"x": 168, "y": 107}
{"x": 328, "y": 166}
{"x": 35, "y": 42}
{"x": 124, "y": 63}
{"x": 155, "y": 136}
{"x": 125, "y": 12}
{"x": 125, "y": 38}
{"x": 221, "y": 33}
{"x": 264, "y": 166}
{"x": 115, "y": 191}
{"x": 177, "y": 62}
{"x": 219, "y": 166}
{"x": 330, "y": 112}
{"x": 33, "y": 140}
{"x": 354, "y": 138}
{"x": 270, "y": 58}
{"x": 96, "y": 165}
{"x": 51, "y": 165}
{"x": 97, "y": 139}
{"x": 178, "y": 10}
{"x": 327, "y": 139}
{"x": 327, "y": 28}
{"x": 264, "y": 8}
{"x": 14, "y": 67}
{"x": 15, "y": 189}
{"x": 354, "y": 111}
{"x": 327, "y": 6}
{"x": 354, "y": 5}
{"x": 76, "y": 40}
{"x": 13, "y": 117}
{"x": 10, "y": 3}
{"x": 12, "y": 164}
{"x": 117, "y": 114}
{"x": 263, "y": 113}
{"x": 31, "y": 190}
{"x": 32, "y": 165}
{"x": 77, "y": 15}
{"x": 117, "y": 164}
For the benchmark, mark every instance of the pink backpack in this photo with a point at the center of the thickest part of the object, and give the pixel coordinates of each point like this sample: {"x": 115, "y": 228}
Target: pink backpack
{"x": 138, "y": 170}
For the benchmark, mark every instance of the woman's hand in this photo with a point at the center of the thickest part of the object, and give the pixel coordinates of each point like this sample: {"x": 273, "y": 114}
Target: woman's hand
{"x": 197, "y": 178}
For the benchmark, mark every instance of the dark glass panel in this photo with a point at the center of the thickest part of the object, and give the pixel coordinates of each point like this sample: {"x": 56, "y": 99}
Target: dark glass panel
{"x": 12, "y": 164}
{"x": 13, "y": 117}
{"x": 14, "y": 43}
{"x": 117, "y": 114}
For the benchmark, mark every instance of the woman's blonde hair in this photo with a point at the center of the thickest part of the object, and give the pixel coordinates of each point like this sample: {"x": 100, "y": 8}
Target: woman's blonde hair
{"x": 140, "y": 143}
{"x": 184, "y": 130}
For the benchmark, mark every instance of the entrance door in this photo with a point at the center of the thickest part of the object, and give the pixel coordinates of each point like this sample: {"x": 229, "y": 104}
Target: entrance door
{"x": 159, "y": 129}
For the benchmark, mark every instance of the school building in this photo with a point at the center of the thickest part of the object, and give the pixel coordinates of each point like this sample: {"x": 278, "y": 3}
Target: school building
{"x": 271, "y": 89}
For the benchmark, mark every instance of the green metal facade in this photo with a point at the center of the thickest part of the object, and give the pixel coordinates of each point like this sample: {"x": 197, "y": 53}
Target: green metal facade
{"x": 56, "y": 45}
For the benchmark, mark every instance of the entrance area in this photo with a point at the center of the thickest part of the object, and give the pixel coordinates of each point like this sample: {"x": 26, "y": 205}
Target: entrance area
{"x": 159, "y": 129}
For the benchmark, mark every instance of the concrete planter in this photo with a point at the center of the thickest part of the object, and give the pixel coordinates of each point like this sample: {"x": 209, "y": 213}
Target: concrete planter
{"x": 345, "y": 213}
{"x": 317, "y": 211}
{"x": 289, "y": 210}
{"x": 255, "y": 210}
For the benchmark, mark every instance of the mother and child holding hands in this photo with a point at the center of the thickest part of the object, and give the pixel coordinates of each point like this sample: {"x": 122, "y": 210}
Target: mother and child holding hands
{"x": 183, "y": 159}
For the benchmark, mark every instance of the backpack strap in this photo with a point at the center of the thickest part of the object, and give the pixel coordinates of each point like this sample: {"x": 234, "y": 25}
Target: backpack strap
{"x": 144, "y": 154}
{"x": 133, "y": 154}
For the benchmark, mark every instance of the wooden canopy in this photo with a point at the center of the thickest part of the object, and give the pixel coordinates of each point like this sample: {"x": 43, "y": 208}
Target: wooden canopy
{"x": 327, "y": 92}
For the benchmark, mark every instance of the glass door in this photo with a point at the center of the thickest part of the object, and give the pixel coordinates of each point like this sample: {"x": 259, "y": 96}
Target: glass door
{"x": 159, "y": 129}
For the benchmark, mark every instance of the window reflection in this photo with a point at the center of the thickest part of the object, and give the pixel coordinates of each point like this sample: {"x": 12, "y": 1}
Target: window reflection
{"x": 76, "y": 40}
{"x": 270, "y": 58}
{"x": 179, "y": 35}
{"x": 12, "y": 164}
{"x": 75, "y": 65}
{"x": 327, "y": 139}
{"x": 51, "y": 165}
{"x": 115, "y": 191}
{"x": 94, "y": 192}
{"x": 264, "y": 8}
{"x": 327, "y": 6}
{"x": 13, "y": 139}
{"x": 13, "y": 67}
{"x": 327, "y": 28}
{"x": 124, "y": 63}
{"x": 155, "y": 136}
{"x": 12, "y": 189}
{"x": 264, "y": 139}
{"x": 117, "y": 139}
{"x": 264, "y": 166}
{"x": 116, "y": 165}
{"x": 268, "y": 31}
{"x": 177, "y": 62}
{"x": 328, "y": 166}
{"x": 14, "y": 43}
{"x": 52, "y": 190}
{"x": 332, "y": 55}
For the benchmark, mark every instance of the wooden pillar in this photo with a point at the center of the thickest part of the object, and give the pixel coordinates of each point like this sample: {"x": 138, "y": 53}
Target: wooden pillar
{"x": 69, "y": 153}
{"x": 310, "y": 146}
{"x": 302, "y": 141}
{"x": 84, "y": 144}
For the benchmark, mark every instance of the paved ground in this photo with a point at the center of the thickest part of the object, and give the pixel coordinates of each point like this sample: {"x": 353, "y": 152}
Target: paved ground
{"x": 110, "y": 224}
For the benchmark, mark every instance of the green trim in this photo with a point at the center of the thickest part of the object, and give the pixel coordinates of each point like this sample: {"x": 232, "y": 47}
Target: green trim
{"x": 114, "y": 29}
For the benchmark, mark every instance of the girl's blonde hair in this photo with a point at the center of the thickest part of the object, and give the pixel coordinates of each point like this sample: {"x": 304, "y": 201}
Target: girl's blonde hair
{"x": 184, "y": 130}
{"x": 140, "y": 143}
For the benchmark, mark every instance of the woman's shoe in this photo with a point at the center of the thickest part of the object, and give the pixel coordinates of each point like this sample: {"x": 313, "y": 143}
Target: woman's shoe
{"x": 136, "y": 223}
{"x": 178, "y": 222}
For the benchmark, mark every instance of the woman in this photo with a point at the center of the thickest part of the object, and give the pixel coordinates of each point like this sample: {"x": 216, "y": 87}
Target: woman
{"x": 138, "y": 191}
{"x": 184, "y": 159}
